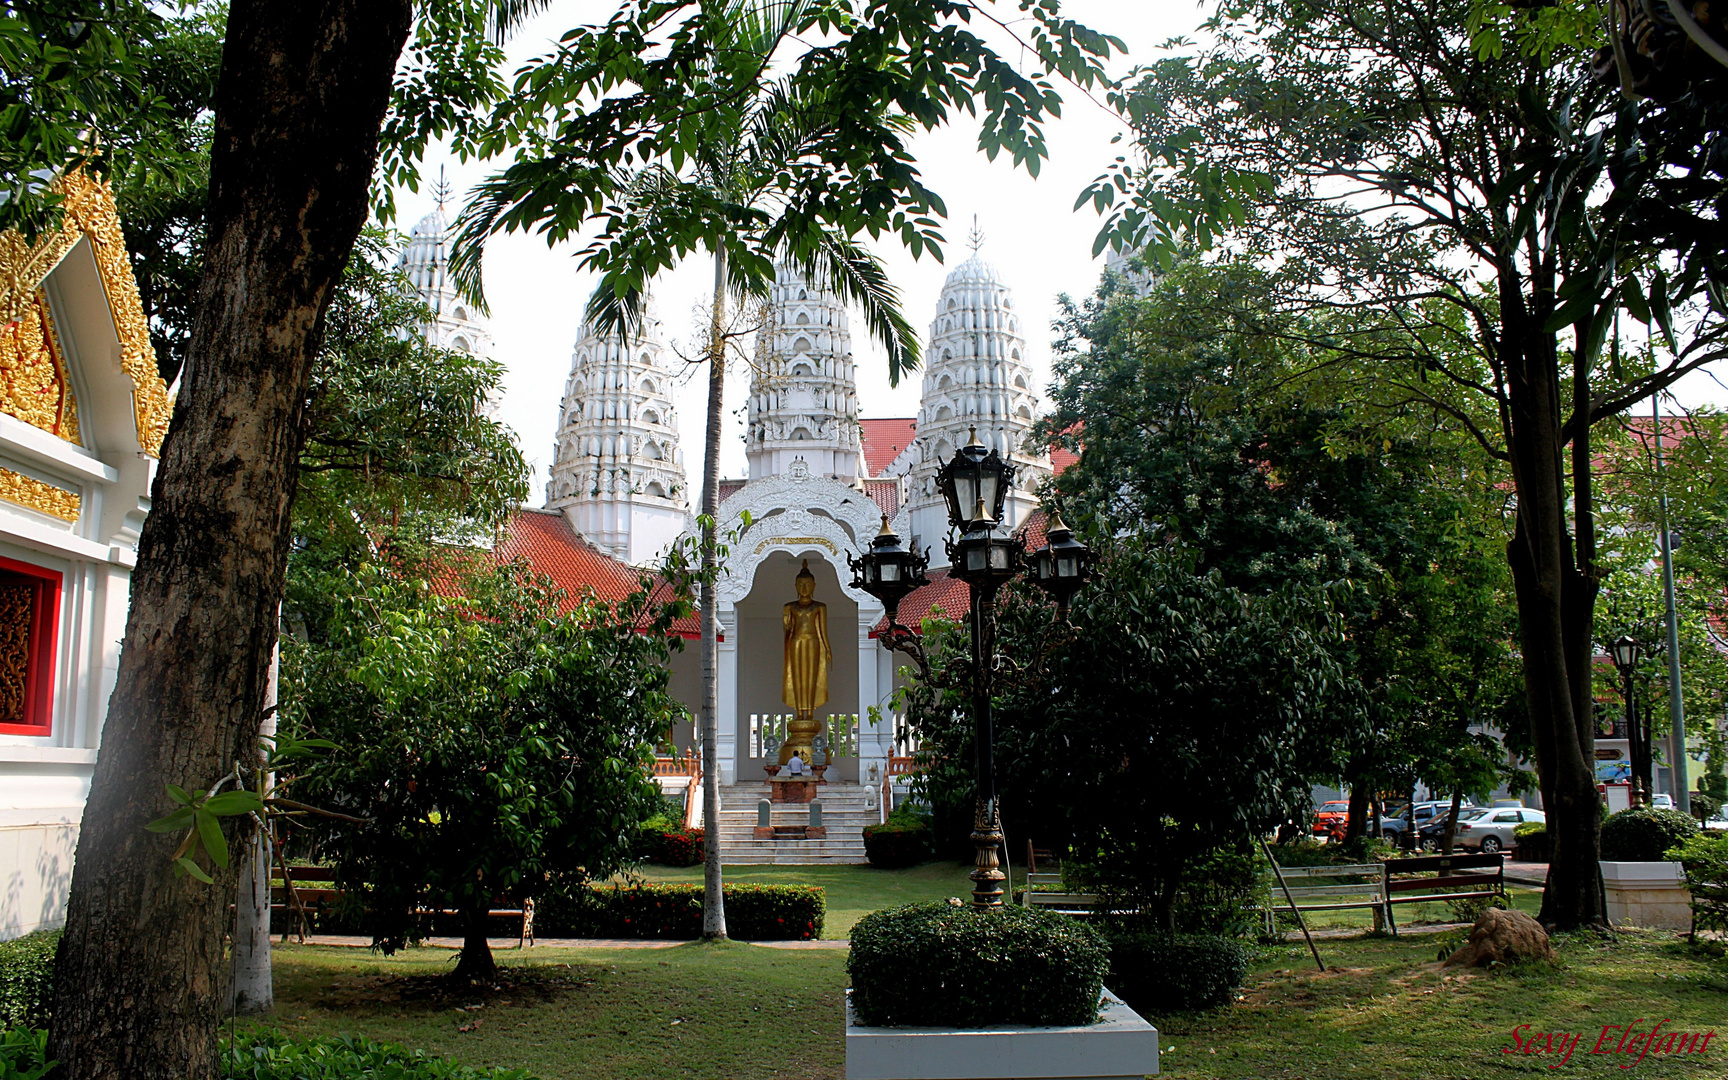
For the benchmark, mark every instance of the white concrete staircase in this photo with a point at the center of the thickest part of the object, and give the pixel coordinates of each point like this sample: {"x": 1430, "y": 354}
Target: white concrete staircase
{"x": 843, "y": 814}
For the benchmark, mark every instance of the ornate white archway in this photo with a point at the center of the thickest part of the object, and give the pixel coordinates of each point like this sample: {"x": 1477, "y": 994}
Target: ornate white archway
{"x": 800, "y": 516}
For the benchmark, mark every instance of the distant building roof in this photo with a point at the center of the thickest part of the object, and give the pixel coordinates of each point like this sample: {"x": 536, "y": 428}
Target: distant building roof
{"x": 884, "y": 438}
{"x": 945, "y": 592}
{"x": 545, "y": 541}
{"x": 885, "y": 493}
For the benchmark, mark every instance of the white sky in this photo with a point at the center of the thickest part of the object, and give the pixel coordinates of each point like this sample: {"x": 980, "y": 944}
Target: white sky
{"x": 1041, "y": 247}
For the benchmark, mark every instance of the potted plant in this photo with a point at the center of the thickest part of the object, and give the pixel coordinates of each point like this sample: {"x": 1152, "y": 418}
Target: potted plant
{"x": 1642, "y": 886}
{"x": 942, "y": 991}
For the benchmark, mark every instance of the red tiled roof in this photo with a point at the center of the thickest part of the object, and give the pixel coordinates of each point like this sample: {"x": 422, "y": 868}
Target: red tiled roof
{"x": 948, "y": 593}
{"x": 884, "y": 438}
{"x": 885, "y": 494}
{"x": 545, "y": 541}
{"x": 1060, "y": 458}
{"x": 1031, "y": 531}
{"x": 729, "y": 488}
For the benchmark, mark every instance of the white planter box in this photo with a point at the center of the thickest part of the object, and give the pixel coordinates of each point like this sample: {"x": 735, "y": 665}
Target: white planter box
{"x": 1119, "y": 1047}
{"x": 1647, "y": 894}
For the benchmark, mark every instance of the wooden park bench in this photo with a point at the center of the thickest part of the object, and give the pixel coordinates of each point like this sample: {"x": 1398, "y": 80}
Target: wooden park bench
{"x": 1442, "y": 877}
{"x": 1065, "y": 903}
{"x": 1303, "y": 896}
{"x": 301, "y": 901}
{"x": 1709, "y": 902}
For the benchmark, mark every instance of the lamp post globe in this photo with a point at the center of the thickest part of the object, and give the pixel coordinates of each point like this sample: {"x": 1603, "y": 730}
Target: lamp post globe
{"x": 974, "y": 484}
{"x": 1625, "y": 652}
{"x": 1062, "y": 566}
{"x": 888, "y": 570}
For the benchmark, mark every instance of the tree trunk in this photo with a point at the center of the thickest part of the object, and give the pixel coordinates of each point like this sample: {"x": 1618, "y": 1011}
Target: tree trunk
{"x": 1356, "y": 817}
{"x": 476, "y": 965}
{"x": 251, "y": 990}
{"x": 1556, "y": 600}
{"x": 302, "y": 95}
{"x": 1450, "y": 835}
{"x": 713, "y": 891}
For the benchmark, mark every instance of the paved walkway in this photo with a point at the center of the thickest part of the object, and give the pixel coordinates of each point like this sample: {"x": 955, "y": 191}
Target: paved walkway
{"x": 505, "y": 945}
{"x": 1527, "y": 873}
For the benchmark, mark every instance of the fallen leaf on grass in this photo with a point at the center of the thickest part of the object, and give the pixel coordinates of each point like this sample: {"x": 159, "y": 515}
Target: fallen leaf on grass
{"x": 475, "y": 1026}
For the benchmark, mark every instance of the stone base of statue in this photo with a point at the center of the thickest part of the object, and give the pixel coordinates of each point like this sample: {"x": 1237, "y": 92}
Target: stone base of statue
{"x": 792, "y": 789}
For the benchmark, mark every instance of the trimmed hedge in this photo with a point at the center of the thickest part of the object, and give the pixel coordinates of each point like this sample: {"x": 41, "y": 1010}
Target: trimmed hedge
{"x": 27, "y": 979}
{"x": 1530, "y": 842}
{"x": 1157, "y": 972}
{"x": 1644, "y": 834}
{"x": 272, "y": 1056}
{"x": 674, "y": 912}
{"x": 945, "y": 964}
{"x": 894, "y": 845}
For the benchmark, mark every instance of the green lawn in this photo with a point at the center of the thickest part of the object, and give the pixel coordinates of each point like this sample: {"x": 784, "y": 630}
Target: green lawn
{"x": 727, "y": 1010}
{"x": 1384, "y": 1012}
{"x": 851, "y": 891}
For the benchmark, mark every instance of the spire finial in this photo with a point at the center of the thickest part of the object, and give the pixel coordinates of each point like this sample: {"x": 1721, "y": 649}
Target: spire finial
{"x": 975, "y": 238}
{"x": 441, "y": 190}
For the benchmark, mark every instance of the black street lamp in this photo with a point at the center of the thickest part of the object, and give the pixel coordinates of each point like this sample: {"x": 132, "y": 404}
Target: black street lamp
{"x": 1063, "y": 567}
{"x": 975, "y": 485}
{"x": 1625, "y": 654}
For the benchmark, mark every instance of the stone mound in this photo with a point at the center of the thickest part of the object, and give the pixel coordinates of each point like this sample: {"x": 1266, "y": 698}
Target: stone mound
{"x": 1501, "y": 936}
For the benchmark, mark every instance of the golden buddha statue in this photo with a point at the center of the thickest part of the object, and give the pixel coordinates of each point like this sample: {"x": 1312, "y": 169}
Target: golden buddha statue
{"x": 804, "y": 683}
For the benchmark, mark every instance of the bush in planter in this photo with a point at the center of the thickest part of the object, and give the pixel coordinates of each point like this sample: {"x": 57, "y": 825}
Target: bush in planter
{"x": 674, "y": 912}
{"x": 944, "y": 964}
{"x": 1530, "y": 842}
{"x": 1705, "y": 860}
{"x": 1644, "y": 834}
{"x": 27, "y": 979}
{"x": 1158, "y": 972}
{"x": 892, "y": 845}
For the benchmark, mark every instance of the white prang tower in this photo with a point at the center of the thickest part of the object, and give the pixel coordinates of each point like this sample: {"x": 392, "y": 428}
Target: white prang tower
{"x": 426, "y": 261}
{"x": 617, "y": 470}
{"x": 976, "y": 375}
{"x": 803, "y": 415}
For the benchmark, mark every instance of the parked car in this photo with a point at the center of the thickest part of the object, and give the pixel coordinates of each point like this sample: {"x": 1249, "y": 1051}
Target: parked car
{"x": 1430, "y": 833}
{"x": 1662, "y": 801}
{"x": 1493, "y": 830}
{"x": 1424, "y": 813}
{"x": 1328, "y": 813}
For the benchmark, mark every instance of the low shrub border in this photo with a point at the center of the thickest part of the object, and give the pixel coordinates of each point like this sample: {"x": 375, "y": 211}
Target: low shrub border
{"x": 1156, "y": 972}
{"x": 271, "y": 1056}
{"x": 943, "y": 964}
{"x": 894, "y": 845}
{"x": 674, "y": 912}
{"x": 1644, "y": 834}
{"x": 1530, "y": 842}
{"x": 27, "y": 979}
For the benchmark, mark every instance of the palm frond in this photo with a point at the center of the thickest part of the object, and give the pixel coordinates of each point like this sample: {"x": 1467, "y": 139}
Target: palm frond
{"x": 855, "y": 275}
{"x": 509, "y": 15}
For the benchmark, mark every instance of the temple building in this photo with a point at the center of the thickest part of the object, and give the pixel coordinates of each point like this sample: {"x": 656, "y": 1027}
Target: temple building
{"x": 820, "y": 481}
{"x": 82, "y": 417}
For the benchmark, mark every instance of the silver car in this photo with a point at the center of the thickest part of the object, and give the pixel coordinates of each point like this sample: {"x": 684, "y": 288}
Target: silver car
{"x": 1492, "y": 831}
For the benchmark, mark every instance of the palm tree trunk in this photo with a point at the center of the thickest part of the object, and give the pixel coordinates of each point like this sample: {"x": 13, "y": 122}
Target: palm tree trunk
{"x": 713, "y": 898}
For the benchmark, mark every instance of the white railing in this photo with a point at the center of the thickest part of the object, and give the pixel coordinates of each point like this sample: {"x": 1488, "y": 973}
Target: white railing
{"x": 841, "y": 729}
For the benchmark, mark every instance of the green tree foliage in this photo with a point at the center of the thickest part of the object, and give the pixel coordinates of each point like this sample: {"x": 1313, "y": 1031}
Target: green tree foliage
{"x": 70, "y": 80}
{"x": 1457, "y": 214}
{"x": 495, "y": 744}
{"x": 402, "y": 453}
{"x": 1177, "y": 714}
{"x": 1194, "y": 439}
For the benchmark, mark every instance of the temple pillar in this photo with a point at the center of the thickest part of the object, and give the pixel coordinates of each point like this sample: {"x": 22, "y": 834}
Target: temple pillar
{"x": 727, "y": 748}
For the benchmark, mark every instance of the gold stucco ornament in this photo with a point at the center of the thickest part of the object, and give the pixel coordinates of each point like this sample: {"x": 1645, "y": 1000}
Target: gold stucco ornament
{"x": 25, "y": 265}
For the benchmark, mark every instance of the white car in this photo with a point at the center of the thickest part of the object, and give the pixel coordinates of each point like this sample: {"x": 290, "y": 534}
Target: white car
{"x": 1662, "y": 802}
{"x": 1492, "y": 831}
